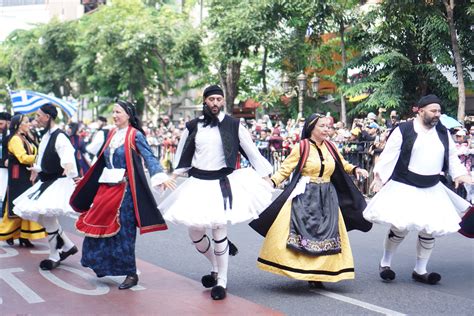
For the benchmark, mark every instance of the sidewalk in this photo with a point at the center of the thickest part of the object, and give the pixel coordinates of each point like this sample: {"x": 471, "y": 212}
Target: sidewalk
{"x": 73, "y": 290}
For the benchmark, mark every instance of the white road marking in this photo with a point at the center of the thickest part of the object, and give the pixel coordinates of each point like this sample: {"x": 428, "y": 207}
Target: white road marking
{"x": 21, "y": 288}
{"x": 353, "y": 301}
{"x": 100, "y": 289}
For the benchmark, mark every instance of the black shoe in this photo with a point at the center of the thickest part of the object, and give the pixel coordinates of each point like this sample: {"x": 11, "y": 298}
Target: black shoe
{"x": 315, "y": 285}
{"x": 218, "y": 293}
{"x": 427, "y": 278}
{"x": 64, "y": 254}
{"x": 130, "y": 281}
{"x": 10, "y": 241}
{"x": 209, "y": 280}
{"x": 49, "y": 264}
{"x": 26, "y": 243}
{"x": 386, "y": 273}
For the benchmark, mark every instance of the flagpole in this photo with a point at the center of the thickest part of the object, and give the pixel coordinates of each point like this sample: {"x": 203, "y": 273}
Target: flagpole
{"x": 9, "y": 95}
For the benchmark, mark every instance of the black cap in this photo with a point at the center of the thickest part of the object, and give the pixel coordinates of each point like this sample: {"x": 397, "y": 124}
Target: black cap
{"x": 428, "y": 99}
{"x": 50, "y": 109}
{"x": 214, "y": 89}
{"x": 5, "y": 116}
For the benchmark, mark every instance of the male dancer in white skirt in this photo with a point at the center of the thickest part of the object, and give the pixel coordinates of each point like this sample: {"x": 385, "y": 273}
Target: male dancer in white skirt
{"x": 215, "y": 193}
{"x": 412, "y": 197}
{"x": 49, "y": 197}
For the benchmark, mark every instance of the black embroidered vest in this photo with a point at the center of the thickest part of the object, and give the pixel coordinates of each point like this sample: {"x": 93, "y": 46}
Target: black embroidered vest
{"x": 229, "y": 131}
{"x": 401, "y": 172}
{"x": 51, "y": 163}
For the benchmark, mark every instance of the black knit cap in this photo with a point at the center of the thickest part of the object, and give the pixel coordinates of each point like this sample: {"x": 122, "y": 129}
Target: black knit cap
{"x": 50, "y": 109}
{"x": 214, "y": 89}
{"x": 5, "y": 116}
{"x": 428, "y": 99}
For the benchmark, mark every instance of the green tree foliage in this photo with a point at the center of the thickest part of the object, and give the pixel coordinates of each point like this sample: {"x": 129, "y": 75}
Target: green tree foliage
{"x": 404, "y": 46}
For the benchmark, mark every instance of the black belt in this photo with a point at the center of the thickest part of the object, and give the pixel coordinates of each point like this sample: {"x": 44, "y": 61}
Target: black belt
{"x": 220, "y": 175}
{"x": 416, "y": 180}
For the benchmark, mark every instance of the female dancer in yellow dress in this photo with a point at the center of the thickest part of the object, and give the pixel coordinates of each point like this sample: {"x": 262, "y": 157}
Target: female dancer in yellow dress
{"x": 307, "y": 238}
{"x": 21, "y": 155}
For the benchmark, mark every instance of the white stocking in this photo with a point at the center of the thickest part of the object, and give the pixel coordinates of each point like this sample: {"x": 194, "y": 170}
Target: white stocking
{"x": 52, "y": 227}
{"x": 203, "y": 244}
{"x": 424, "y": 247}
{"x": 221, "y": 250}
{"x": 392, "y": 241}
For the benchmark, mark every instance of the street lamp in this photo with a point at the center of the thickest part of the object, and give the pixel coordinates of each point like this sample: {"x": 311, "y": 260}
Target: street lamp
{"x": 300, "y": 89}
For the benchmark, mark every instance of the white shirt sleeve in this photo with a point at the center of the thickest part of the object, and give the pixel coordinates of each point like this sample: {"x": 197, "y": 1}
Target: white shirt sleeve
{"x": 261, "y": 165}
{"x": 179, "y": 152}
{"x": 94, "y": 146}
{"x": 456, "y": 168}
{"x": 389, "y": 156}
{"x": 66, "y": 153}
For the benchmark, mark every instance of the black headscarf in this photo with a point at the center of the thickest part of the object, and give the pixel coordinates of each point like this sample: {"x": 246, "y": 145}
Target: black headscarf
{"x": 309, "y": 125}
{"x": 209, "y": 117}
{"x": 428, "y": 99}
{"x": 131, "y": 110}
{"x": 74, "y": 128}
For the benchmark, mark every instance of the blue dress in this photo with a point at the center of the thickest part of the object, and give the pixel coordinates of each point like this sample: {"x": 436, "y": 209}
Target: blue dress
{"x": 116, "y": 255}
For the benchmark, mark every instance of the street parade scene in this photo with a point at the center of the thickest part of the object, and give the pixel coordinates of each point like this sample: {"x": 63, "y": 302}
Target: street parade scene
{"x": 204, "y": 157}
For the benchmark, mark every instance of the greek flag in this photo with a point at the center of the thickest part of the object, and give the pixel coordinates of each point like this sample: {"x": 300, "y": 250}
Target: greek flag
{"x": 25, "y": 101}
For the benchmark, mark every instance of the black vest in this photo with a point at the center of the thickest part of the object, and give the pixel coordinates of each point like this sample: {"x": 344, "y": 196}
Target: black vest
{"x": 401, "y": 172}
{"x": 4, "y": 153}
{"x": 51, "y": 163}
{"x": 229, "y": 131}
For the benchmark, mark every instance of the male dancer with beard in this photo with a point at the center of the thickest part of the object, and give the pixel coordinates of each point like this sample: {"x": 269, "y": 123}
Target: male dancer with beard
{"x": 412, "y": 197}
{"x": 215, "y": 193}
{"x": 49, "y": 197}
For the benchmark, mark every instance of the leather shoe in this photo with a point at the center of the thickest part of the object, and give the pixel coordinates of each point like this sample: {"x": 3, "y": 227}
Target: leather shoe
{"x": 130, "y": 281}
{"x": 386, "y": 273}
{"x": 427, "y": 278}
{"x": 315, "y": 285}
{"x": 218, "y": 292}
{"x": 10, "y": 241}
{"x": 49, "y": 264}
{"x": 26, "y": 243}
{"x": 64, "y": 254}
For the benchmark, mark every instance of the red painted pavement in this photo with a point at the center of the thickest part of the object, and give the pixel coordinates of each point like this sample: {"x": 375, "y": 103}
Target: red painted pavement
{"x": 161, "y": 292}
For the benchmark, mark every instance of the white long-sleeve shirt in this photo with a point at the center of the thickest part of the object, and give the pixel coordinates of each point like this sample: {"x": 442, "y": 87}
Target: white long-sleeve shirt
{"x": 427, "y": 155}
{"x": 209, "y": 154}
{"x": 64, "y": 149}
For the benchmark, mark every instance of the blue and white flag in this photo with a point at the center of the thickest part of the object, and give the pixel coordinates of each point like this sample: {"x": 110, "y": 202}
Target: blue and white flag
{"x": 25, "y": 101}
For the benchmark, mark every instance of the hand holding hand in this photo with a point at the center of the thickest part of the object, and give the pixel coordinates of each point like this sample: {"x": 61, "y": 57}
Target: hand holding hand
{"x": 361, "y": 174}
{"x": 376, "y": 184}
{"x": 168, "y": 184}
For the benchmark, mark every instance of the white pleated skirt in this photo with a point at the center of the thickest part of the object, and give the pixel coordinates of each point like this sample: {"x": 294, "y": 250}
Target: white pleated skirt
{"x": 435, "y": 210}
{"x": 54, "y": 201}
{"x": 199, "y": 203}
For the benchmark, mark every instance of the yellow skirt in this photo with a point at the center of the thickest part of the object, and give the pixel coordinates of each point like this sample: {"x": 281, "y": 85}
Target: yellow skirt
{"x": 275, "y": 257}
{"x": 19, "y": 228}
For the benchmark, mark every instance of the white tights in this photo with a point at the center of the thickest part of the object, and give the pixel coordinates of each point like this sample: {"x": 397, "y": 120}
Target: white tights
{"x": 217, "y": 254}
{"x": 424, "y": 247}
{"x": 52, "y": 227}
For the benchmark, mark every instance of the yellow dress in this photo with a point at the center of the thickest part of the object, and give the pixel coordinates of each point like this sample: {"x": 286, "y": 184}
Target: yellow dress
{"x": 274, "y": 255}
{"x": 17, "y": 227}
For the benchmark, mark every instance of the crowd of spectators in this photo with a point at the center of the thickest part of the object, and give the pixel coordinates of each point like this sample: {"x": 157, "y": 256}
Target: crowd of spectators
{"x": 360, "y": 143}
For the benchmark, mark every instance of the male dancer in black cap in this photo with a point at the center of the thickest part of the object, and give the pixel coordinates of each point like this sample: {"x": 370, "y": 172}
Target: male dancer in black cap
{"x": 215, "y": 192}
{"x": 412, "y": 196}
{"x": 49, "y": 197}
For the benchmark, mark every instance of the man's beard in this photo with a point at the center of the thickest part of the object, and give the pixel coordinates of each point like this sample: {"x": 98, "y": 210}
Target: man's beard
{"x": 209, "y": 117}
{"x": 430, "y": 121}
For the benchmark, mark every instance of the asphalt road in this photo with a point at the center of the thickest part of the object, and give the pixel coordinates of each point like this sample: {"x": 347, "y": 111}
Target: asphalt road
{"x": 453, "y": 258}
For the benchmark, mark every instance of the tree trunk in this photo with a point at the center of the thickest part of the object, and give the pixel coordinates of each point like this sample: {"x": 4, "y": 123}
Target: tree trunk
{"x": 230, "y": 82}
{"x": 264, "y": 70}
{"x": 449, "y": 4}
{"x": 343, "y": 117}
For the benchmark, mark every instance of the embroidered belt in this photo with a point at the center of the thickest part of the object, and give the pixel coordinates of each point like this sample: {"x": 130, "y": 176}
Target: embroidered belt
{"x": 220, "y": 175}
{"x": 319, "y": 180}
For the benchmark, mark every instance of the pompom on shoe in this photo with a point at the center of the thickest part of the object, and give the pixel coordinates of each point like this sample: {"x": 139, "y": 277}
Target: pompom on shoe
{"x": 49, "y": 264}
{"x": 387, "y": 274}
{"x": 218, "y": 292}
{"x": 427, "y": 278}
{"x": 209, "y": 280}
